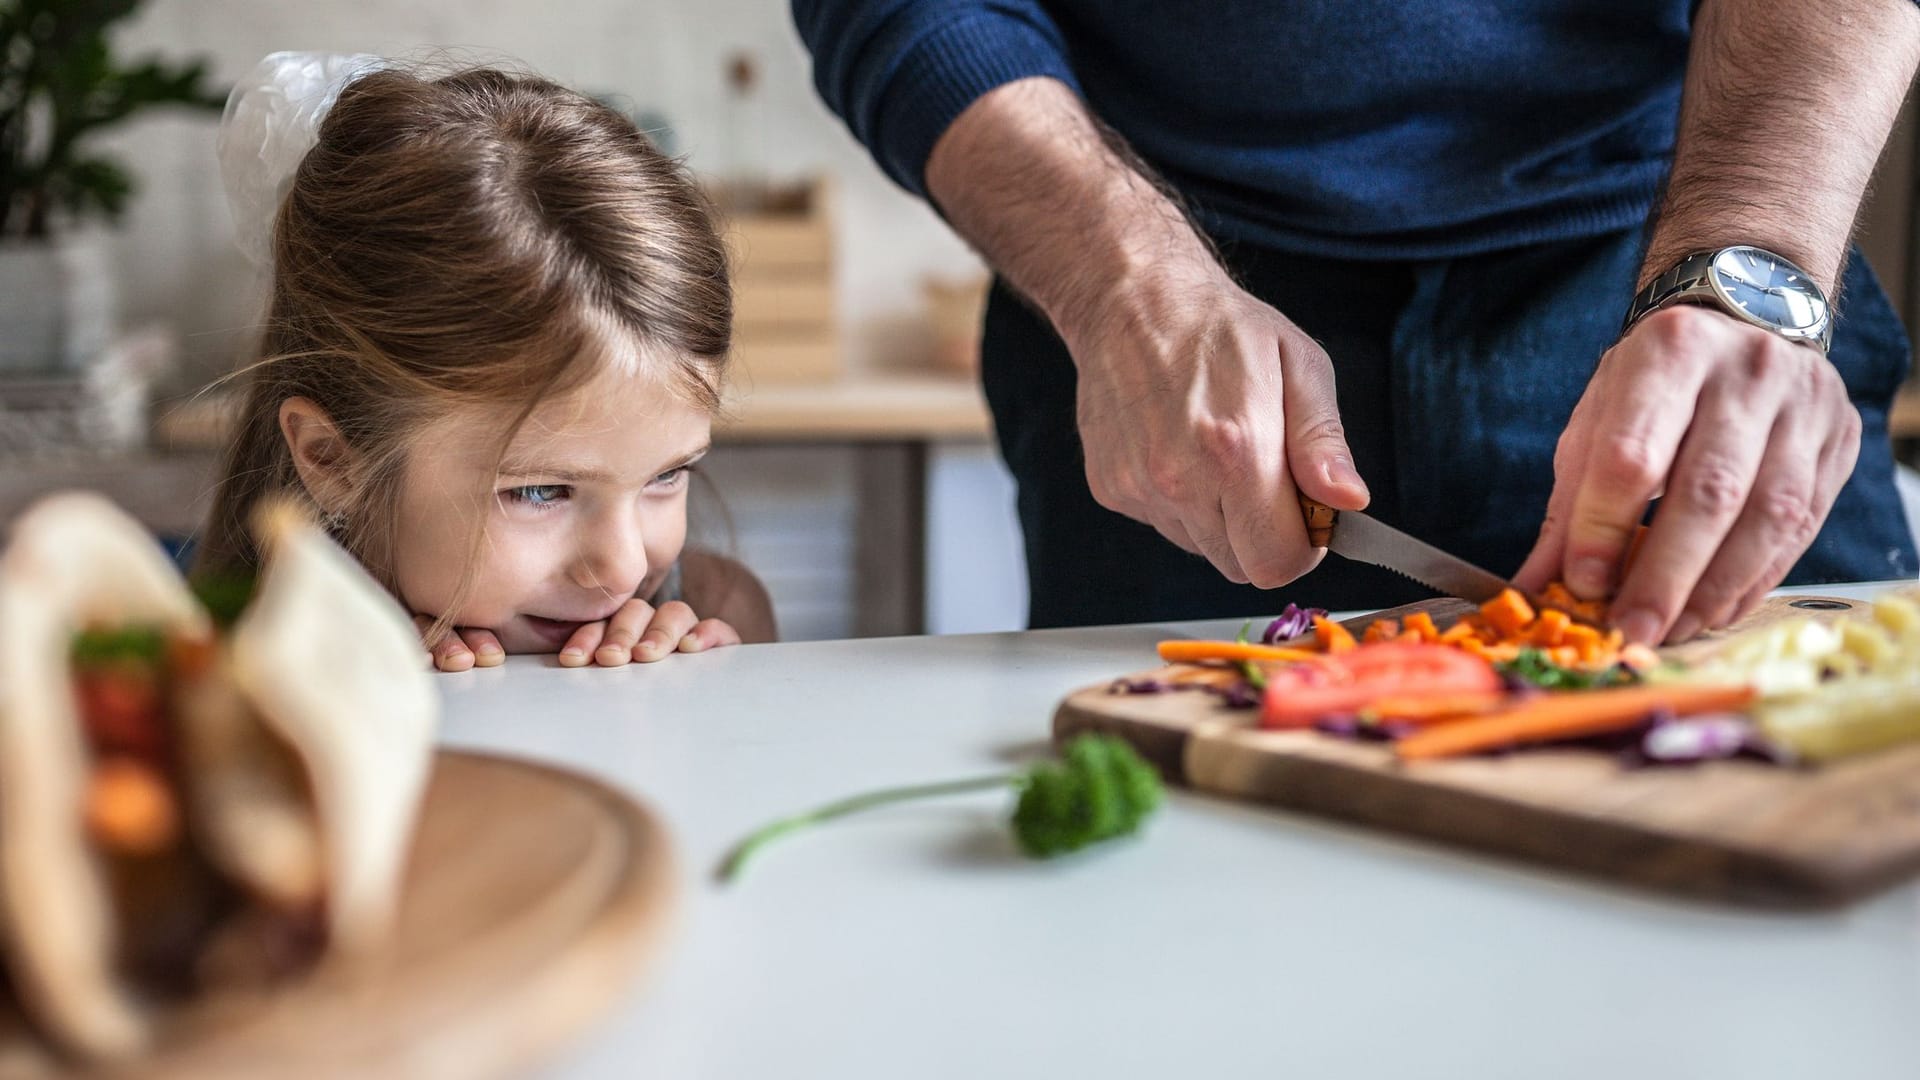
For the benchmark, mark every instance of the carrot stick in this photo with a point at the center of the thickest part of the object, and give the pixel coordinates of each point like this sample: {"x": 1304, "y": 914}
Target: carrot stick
{"x": 1193, "y": 652}
{"x": 1569, "y": 715}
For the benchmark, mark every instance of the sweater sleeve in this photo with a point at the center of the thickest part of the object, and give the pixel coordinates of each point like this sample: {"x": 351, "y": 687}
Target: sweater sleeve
{"x": 899, "y": 71}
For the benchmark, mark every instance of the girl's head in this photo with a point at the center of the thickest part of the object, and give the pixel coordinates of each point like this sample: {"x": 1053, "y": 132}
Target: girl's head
{"x": 497, "y": 334}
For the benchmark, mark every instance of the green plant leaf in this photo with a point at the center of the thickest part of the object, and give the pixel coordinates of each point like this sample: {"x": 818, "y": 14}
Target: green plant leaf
{"x": 91, "y": 185}
{"x": 60, "y": 84}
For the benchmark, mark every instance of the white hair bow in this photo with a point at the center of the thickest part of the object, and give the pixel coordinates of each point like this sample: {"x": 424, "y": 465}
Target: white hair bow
{"x": 272, "y": 120}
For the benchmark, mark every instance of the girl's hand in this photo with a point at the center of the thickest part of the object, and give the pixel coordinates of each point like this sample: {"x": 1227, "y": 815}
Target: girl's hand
{"x": 463, "y": 647}
{"x": 640, "y": 631}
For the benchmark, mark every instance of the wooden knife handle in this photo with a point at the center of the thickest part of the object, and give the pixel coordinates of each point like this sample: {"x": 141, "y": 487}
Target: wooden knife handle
{"x": 1320, "y": 518}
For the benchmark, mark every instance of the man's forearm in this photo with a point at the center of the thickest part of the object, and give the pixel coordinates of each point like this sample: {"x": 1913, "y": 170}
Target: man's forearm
{"x": 1026, "y": 175}
{"x": 1787, "y": 106}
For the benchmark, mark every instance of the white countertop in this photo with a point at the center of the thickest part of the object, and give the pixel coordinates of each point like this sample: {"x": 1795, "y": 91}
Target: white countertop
{"x": 1229, "y": 941}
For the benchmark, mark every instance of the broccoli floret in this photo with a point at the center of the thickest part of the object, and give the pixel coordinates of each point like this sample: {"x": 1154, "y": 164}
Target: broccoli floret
{"x": 1099, "y": 790}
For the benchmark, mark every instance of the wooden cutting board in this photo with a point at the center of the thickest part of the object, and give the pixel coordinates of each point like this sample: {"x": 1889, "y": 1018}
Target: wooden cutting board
{"x": 533, "y": 898}
{"x": 1737, "y": 831}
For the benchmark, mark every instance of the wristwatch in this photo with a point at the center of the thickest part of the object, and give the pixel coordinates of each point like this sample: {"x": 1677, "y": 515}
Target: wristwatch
{"x": 1751, "y": 284}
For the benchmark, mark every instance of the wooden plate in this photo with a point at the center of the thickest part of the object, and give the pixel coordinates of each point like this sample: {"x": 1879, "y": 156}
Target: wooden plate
{"x": 533, "y": 898}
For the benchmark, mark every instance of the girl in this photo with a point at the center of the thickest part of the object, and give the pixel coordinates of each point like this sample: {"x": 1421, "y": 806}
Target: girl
{"x": 496, "y": 338}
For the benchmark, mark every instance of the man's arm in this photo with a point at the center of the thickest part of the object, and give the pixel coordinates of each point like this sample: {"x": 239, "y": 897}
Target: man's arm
{"x": 1200, "y": 408}
{"x": 1749, "y": 437}
{"x": 1786, "y": 109}
{"x": 899, "y": 71}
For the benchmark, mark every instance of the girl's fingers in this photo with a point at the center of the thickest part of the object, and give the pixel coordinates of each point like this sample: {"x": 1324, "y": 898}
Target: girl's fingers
{"x": 623, "y": 630}
{"x": 670, "y": 624}
{"x": 484, "y": 646}
{"x": 447, "y": 654}
{"x": 579, "y": 648}
{"x": 708, "y": 634}
{"x": 452, "y": 654}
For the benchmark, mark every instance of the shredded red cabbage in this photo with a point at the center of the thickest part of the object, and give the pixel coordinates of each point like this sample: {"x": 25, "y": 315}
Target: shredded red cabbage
{"x": 1292, "y": 623}
{"x": 1675, "y": 741}
{"x": 1240, "y": 695}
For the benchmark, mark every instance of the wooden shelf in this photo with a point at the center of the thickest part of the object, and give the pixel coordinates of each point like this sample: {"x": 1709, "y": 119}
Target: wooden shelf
{"x": 902, "y": 406}
{"x": 876, "y": 407}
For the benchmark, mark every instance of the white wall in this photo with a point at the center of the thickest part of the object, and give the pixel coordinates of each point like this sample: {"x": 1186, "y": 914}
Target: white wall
{"x": 178, "y": 261}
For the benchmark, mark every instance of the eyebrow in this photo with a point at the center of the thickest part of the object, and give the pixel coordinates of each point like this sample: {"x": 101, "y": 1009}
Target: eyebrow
{"x": 567, "y": 474}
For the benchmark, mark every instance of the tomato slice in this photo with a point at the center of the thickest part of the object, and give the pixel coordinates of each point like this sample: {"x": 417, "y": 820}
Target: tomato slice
{"x": 122, "y": 710}
{"x": 1300, "y": 694}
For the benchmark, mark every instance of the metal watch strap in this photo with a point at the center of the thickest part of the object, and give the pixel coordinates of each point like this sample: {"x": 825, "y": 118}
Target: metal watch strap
{"x": 1686, "y": 276}
{"x": 1689, "y": 281}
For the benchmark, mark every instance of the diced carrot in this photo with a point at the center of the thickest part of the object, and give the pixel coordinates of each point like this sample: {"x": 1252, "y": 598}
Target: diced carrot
{"x": 1381, "y": 630}
{"x": 129, "y": 809}
{"x": 1578, "y": 636}
{"x": 1190, "y": 652}
{"x": 1504, "y": 652}
{"x": 1564, "y": 655}
{"x": 1332, "y": 636}
{"x": 1508, "y": 613}
{"x": 1550, "y": 629}
{"x": 1569, "y": 715}
{"x": 1421, "y": 625}
{"x": 1459, "y": 632}
{"x": 1557, "y": 595}
{"x": 1437, "y": 709}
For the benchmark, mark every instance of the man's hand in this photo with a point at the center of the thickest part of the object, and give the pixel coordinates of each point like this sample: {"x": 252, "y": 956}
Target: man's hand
{"x": 1201, "y": 409}
{"x": 1746, "y": 438}
{"x": 1750, "y": 436}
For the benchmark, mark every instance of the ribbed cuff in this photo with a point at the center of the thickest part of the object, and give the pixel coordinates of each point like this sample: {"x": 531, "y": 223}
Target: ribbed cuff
{"x": 945, "y": 71}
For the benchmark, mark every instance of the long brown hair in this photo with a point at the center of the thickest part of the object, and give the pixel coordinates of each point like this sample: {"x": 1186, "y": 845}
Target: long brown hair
{"x": 469, "y": 239}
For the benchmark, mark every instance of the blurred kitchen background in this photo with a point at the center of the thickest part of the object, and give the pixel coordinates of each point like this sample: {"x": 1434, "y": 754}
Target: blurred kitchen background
{"x": 856, "y": 475}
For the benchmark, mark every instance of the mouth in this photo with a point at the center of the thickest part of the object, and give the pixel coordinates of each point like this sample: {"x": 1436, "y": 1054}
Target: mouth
{"x": 552, "y": 631}
{"x": 557, "y": 631}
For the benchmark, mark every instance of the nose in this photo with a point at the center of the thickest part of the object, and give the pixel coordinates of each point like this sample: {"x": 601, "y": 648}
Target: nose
{"x": 612, "y": 554}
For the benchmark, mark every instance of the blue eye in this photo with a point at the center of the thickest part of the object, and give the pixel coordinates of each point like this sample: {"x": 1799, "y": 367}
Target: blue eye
{"x": 672, "y": 477}
{"x": 539, "y": 496}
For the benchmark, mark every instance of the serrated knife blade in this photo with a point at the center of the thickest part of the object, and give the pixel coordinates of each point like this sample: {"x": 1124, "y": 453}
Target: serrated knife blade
{"x": 1353, "y": 535}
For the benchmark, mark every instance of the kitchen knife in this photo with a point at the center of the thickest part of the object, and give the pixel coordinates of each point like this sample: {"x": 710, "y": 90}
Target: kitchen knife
{"x": 1354, "y": 535}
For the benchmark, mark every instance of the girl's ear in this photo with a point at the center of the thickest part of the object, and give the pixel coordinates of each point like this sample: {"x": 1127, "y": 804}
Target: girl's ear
{"x": 320, "y": 455}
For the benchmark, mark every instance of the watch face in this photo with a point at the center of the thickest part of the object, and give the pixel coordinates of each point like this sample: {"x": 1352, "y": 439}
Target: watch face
{"x": 1768, "y": 288}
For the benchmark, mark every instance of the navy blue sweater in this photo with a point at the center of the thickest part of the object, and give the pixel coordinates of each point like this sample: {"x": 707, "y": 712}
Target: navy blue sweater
{"x": 1371, "y": 129}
